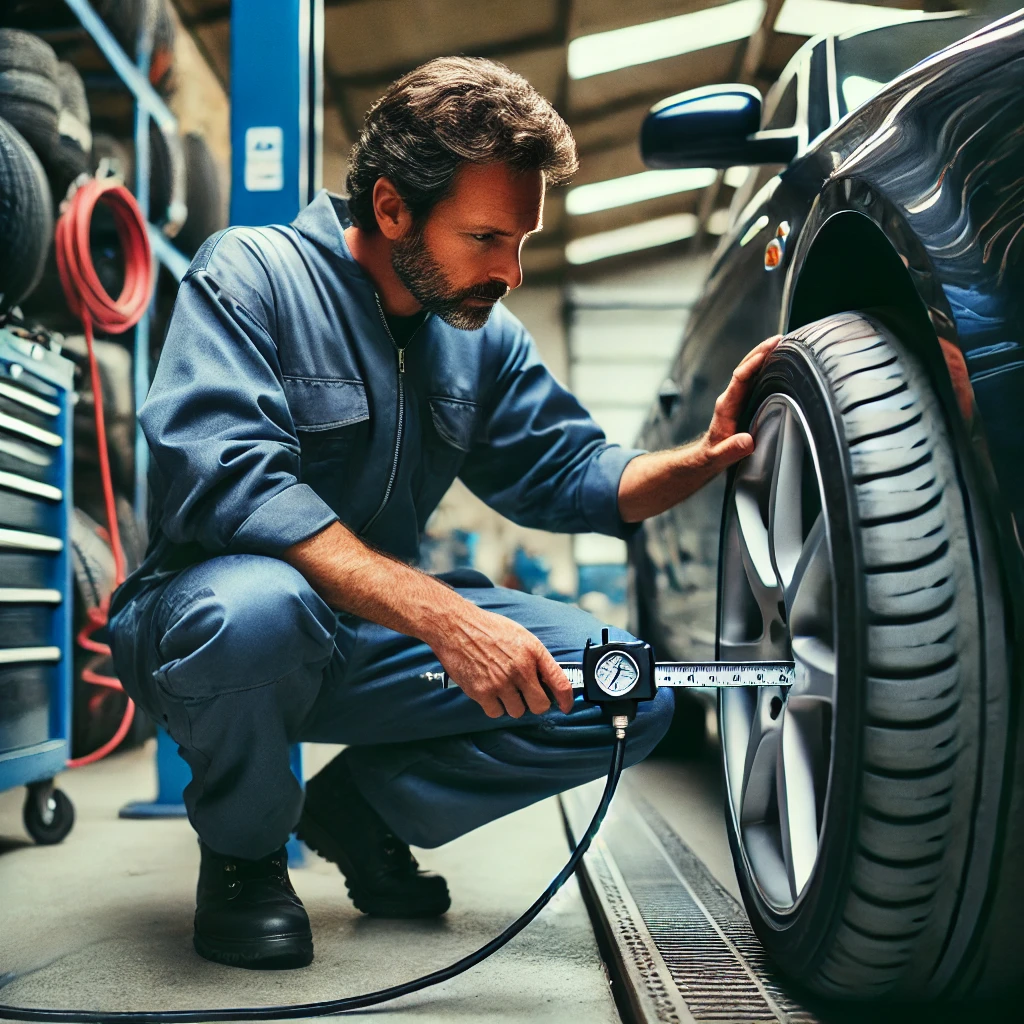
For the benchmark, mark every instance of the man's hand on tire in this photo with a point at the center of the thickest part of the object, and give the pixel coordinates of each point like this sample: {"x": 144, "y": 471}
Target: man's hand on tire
{"x": 500, "y": 665}
{"x": 723, "y": 444}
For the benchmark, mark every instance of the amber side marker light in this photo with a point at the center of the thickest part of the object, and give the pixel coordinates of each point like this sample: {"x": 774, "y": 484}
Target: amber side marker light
{"x": 772, "y": 254}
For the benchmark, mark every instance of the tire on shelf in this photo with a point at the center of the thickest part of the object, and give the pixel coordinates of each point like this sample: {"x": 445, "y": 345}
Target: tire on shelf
{"x": 26, "y": 217}
{"x": 29, "y": 94}
{"x": 866, "y": 807}
{"x": 73, "y": 154}
{"x": 161, "y": 67}
{"x": 203, "y": 195}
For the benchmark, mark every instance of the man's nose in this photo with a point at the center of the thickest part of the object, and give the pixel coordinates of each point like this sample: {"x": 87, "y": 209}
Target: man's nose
{"x": 509, "y": 271}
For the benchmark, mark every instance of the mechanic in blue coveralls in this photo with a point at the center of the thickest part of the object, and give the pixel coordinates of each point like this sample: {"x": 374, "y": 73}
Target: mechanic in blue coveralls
{"x": 321, "y": 386}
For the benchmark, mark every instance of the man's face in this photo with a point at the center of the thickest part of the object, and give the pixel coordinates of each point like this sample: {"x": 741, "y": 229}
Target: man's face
{"x": 464, "y": 255}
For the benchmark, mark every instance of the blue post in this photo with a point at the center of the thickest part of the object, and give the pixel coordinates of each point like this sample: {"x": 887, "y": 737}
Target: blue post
{"x": 276, "y": 131}
{"x": 172, "y": 776}
{"x": 276, "y": 108}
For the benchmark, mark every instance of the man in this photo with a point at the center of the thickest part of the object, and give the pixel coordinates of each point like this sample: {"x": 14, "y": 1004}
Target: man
{"x": 321, "y": 386}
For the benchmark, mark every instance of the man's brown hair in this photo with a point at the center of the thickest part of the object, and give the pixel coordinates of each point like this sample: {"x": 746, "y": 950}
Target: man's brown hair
{"x": 449, "y": 111}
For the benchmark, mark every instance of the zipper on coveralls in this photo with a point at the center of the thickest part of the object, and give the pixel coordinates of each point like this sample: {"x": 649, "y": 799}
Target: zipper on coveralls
{"x": 401, "y": 413}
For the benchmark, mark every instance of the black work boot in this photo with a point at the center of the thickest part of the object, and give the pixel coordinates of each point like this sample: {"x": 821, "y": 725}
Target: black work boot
{"x": 383, "y": 877}
{"x": 248, "y": 915}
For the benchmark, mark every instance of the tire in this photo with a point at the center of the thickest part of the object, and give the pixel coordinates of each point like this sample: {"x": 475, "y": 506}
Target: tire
{"x": 859, "y": 803}
{"x": 29, "y": 94}
{"x": 120, "y": 157}
{"x": 23, "y": 51}
{"x": 202, "y": 194}
{"x": 26, "y": 218}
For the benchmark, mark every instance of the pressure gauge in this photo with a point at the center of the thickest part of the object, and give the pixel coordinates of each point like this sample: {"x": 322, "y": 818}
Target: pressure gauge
{"x": 616, "y": 673}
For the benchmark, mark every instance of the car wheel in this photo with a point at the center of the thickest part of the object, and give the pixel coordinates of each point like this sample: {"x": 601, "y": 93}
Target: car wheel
{"x": 861, "y": 838}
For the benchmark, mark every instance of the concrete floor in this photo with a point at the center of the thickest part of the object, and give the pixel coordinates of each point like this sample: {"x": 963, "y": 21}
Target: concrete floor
{"x": 104, "y": 920}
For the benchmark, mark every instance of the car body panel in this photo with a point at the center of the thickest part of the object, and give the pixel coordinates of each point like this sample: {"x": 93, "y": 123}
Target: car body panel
{"x": 930, "y": 169}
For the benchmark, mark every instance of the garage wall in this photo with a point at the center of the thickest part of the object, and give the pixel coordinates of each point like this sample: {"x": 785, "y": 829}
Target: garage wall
{"x": 624, "y": 329}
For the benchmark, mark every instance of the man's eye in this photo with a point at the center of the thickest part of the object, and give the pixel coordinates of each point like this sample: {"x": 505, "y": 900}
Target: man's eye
{"x": 483, "y": 238}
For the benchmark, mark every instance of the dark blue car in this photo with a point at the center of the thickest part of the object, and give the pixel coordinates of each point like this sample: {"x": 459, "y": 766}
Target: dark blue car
{"x": 876, "y": 809}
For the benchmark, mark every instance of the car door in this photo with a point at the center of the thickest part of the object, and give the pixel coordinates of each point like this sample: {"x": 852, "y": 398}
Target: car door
{"x": 739, "y": 307}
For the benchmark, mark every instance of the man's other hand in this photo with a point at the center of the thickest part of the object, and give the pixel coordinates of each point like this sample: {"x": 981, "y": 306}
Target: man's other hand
{"x": 723, "y": 444}
{"x": 500, "y": 665}
{"x": 652, "y": 483}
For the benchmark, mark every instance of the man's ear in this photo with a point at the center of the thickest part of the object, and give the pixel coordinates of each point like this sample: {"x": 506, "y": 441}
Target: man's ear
{"x": 393, "y": 217}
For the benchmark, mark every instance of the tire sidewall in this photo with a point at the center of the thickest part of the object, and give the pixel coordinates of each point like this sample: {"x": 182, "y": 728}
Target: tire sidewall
{"x": 800, "y": 938}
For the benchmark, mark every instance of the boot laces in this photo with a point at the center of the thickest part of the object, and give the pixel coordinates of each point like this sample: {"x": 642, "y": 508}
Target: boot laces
{"x": 239, "y": 870}
{"x": 397, "y": 856}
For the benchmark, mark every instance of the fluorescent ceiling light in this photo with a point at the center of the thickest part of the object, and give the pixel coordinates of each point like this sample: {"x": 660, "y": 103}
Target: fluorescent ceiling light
{"x": 858, "y": 90}
{"x": 660, "y": 231}
{"x": 735, "y": 176}
{"x": 718, "y": 222}
{"x": 831, "y": 17}
{"x": 668, "y": 37}
{"x": 635, "y": 188}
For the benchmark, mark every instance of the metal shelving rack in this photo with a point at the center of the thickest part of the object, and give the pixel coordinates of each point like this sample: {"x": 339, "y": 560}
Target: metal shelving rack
{"x": 35, "y": 571}
{"x": 148, "y": 105}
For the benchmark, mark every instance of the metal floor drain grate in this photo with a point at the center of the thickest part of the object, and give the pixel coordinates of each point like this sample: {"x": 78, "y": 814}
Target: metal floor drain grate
{"x": 684, "y": 945}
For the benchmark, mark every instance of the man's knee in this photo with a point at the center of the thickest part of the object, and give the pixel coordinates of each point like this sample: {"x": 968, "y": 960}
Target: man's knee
{"x": 239, "y": 621}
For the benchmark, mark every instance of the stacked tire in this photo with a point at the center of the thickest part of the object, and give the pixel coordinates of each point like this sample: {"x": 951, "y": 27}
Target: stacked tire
{"x": 26, "y": 217}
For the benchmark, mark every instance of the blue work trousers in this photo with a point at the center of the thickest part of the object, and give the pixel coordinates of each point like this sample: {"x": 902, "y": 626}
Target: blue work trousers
{"x": 238, "y": 658}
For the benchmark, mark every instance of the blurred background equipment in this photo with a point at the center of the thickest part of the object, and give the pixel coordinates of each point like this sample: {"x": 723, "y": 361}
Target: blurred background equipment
{"x": 35, "y": 605}
{"x": 77, "y": 99}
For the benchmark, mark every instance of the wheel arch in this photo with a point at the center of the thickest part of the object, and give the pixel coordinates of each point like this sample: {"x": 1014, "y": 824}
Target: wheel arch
{"x": 875, "y": 277}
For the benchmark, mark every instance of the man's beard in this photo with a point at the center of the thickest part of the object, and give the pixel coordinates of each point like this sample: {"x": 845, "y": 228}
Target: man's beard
{"x": 426, "y": 280}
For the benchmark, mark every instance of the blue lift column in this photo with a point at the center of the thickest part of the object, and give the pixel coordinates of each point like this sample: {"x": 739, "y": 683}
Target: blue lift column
{"x": 276, "y": 108}
{"x": 276, "y": 169}
{"x": 277, "y": 123}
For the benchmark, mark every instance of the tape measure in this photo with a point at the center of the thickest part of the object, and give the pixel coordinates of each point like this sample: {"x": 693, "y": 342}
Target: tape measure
{"x": 614, "y": 672}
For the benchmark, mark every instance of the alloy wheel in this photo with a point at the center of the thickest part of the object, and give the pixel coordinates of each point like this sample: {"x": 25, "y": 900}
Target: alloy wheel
{"x": 777, "y": 603}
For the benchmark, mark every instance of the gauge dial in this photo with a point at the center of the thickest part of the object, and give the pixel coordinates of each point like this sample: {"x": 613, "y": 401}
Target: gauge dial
{"x": 616, "y": 673}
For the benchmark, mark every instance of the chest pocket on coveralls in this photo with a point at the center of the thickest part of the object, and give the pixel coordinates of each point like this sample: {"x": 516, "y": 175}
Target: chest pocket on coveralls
{"x": 331, "y": 418}
{"x": 455, "y": 424}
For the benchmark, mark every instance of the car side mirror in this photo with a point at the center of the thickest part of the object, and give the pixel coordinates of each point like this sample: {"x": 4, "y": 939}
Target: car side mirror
{"x": 668, "y": 398}
{"x": 714, "y": 126}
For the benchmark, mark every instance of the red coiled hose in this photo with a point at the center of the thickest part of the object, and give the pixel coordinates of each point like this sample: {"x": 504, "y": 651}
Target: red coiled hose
{"x": 89, "y": 301}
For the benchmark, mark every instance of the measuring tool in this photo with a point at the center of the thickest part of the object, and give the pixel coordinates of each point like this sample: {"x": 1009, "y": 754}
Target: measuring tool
{"x": 614, "y": 674}
{"x": 620, "y": 672}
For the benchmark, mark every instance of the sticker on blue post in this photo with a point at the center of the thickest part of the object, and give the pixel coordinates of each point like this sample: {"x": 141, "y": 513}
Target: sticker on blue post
{"x": 264, "y": 159}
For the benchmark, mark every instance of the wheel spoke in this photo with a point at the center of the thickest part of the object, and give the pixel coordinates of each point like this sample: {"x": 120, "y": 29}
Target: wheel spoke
{"x": 745, "y": 650}
{"x": 737, "y": 706}
{"x": 761, "y": 755}
{"x": 755, "y": 554}
{"x": 815, "y": 662}
{"x": 798, "y": 817}
{"x": 808, "y": 596}
{"x": 785, "y": 519}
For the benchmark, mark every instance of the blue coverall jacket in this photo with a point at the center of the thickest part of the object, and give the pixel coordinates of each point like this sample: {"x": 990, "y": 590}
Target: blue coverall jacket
{"x": 278, "y": 407}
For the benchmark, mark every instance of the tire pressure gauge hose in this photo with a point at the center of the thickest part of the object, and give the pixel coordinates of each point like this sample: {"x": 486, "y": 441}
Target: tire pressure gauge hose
{"x": 615, "y": 675}
{"x": 359, "y": 1002}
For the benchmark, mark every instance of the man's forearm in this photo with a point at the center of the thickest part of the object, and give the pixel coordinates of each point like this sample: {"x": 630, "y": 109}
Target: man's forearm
{"x": 351, "y": 576}
{"x": 495, "y": 661}
{"x": 653, "y": 483}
